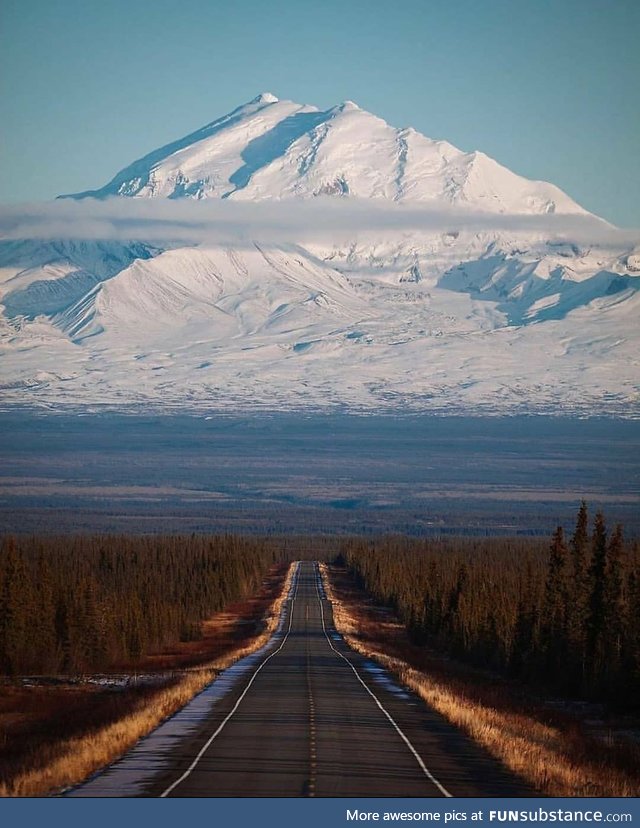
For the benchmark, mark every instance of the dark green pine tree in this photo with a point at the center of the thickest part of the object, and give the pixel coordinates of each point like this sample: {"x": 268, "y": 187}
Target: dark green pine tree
{"x": 578, "y": 600}
{"x": 596, "y": 618}
{"x": 554, "y": 611}
{"x": 614, "y": 611}
{"x": 580, "y": 541}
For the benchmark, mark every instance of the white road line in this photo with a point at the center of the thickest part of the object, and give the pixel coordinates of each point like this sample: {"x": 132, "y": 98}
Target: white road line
{"x": 404, "y": 738}
{"x": 209, "y": 741}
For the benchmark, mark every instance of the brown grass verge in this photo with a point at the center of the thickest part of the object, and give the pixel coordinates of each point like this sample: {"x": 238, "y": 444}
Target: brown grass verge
{"x": 554, "y": 759}
{"x": 67, "y": 762}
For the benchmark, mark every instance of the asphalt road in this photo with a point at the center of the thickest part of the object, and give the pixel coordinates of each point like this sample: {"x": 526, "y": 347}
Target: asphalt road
{"x": 314, "y": 718}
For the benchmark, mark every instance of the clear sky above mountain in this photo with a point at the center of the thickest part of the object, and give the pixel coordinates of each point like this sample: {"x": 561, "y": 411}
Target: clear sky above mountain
{"x": 550, "y": 89}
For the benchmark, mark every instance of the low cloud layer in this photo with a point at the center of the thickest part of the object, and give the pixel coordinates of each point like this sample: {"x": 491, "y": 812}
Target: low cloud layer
{"x": 322, "y": 220}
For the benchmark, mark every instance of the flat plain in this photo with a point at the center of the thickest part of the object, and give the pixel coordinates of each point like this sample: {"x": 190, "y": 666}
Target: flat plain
{"x": 277, "y": 473}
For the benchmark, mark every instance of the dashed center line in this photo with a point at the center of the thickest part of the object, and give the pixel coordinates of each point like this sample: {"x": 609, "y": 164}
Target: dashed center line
{"x": 311, "y": 788}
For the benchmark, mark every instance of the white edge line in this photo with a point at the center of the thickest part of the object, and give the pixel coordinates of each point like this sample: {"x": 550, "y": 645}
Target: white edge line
{"x": 404, "y": 738}
{"x": 207, "y": 744}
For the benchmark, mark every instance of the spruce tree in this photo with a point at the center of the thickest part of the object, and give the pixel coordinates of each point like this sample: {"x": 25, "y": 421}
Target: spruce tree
{"x": 555, "y": 608}
{"x": 614, "y": 609}
{"x": 578, "y": 599}
{"x": 596, "y": 619}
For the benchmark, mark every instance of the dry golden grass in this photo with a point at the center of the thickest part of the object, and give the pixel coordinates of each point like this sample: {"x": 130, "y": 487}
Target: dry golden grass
{"x": 68, "y": 762}
{"x": 539, "y": 753}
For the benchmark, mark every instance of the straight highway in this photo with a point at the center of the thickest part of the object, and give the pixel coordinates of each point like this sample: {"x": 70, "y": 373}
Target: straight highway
{"x": 314, "y": 718}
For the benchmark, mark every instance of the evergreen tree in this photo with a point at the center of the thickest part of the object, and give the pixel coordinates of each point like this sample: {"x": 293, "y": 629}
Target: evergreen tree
{"x": 614, "y": 609}
{"x": 555, "y": 608}
{"x": 596, "y": 619}
{"x": 578, "y": 600}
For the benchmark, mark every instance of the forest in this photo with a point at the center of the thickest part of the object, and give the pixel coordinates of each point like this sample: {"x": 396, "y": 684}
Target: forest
{"x": 86, "y": 603}
{"x": 564, "y": 615}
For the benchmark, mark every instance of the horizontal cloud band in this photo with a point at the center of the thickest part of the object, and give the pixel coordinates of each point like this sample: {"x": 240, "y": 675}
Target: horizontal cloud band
{"x": 300, "y": 221}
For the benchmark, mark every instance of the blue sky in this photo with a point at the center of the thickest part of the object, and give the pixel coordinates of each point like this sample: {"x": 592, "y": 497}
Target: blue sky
{"x": 550, "y": 88}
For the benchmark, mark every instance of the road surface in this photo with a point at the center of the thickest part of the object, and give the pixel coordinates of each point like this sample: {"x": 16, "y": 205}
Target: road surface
{"x": 313, "y": 718}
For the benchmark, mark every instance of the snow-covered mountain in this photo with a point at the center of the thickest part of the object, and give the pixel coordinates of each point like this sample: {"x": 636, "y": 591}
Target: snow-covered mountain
{"x": 271, "y": 149}
{"x": 477, "y": 318}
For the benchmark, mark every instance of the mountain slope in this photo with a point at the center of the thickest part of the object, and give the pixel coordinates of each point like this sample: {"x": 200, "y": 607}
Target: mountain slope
{"x": 213, "y": 295}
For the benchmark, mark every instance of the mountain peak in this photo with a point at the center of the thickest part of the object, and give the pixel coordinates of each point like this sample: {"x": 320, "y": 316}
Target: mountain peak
{"x": 346, "y": 106}
{"x": 265, "y": 97}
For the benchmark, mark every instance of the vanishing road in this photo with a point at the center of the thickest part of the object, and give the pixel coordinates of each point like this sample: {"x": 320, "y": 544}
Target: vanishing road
{"x": 310, "y": 717}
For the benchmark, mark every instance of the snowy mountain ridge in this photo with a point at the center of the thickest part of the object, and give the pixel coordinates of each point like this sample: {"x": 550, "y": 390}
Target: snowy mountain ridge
{"x": 270, "y": 149}
{"x": 467, "y": 319}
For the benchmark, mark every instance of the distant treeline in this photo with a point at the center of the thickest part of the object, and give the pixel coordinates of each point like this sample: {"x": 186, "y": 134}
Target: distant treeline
{"x": 564, "y": 615}
{"x": 74, "y": 604}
